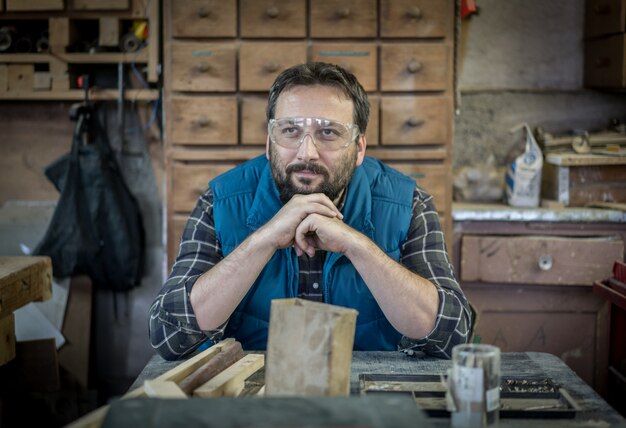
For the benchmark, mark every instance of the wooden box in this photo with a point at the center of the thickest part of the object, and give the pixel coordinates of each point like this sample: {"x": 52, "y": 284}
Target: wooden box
{"x": 309, "y": 349}
{"x": 579, "y": 180}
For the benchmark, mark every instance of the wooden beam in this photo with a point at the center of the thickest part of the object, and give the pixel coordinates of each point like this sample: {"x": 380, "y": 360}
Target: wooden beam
{"x": 232, "y": 380}
{"x": 24, "y": 279}
{"x": 163, "y": 389}
{"x": 7, "y": 339}
{"x": 213, "y": 367}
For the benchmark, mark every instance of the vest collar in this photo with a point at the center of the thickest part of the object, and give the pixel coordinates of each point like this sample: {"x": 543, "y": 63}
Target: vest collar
{"x": 357, "y": 207}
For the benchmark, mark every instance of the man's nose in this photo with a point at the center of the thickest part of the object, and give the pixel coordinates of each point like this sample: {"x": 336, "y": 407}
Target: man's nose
{"x": 307, "y": 149}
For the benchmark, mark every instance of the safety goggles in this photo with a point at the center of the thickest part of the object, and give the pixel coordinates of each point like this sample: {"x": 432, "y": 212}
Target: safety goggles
{"x": 327, "y": 135}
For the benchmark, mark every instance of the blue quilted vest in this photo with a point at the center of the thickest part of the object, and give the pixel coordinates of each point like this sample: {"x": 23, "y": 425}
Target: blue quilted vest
{"x": 378, "y": 204}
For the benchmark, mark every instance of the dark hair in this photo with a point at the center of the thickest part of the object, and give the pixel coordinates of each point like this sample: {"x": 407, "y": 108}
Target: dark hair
{"x": 321, "y": 73}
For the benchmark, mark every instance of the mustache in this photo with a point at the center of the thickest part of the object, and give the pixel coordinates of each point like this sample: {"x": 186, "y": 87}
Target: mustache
{"x": 313, "y": 167}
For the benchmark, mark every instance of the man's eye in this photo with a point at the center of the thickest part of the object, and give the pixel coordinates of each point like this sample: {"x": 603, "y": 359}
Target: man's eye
{"x": 328, "y": 133}
{"x": 290, "y": 131}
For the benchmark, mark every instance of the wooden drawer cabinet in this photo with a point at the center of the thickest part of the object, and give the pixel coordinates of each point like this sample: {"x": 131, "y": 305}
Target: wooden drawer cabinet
{"x": 361, "y": 59}
{"x": 343, "y": 18}
{"x": 221, "y": 58}
{"x": 538, "y": 259}
{"x": 203, "y": 67}
{"x": 203, "y": 120}
{"x": 415, "y": 67}
{"x": 203, "y": 18}
{"x": 416, "y": 18}
{"x": 605, "y": 17}
{"x": 605, "y": 62}
{"x": 273, "y": 18}
{"x": 414, "y": 120}
{"x": 260, "y": 63}
{"x": 531, "y": 284}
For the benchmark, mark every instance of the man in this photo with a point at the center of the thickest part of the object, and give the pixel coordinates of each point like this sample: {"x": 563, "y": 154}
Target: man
{"x": 317, "y": 219}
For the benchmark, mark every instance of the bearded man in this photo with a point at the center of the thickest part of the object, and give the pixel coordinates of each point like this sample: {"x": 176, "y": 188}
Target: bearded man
{"x": 317, "y": 219}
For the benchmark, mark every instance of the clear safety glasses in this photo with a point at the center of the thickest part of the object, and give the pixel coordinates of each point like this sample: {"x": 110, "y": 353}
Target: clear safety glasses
{"x": 327, "y": 135}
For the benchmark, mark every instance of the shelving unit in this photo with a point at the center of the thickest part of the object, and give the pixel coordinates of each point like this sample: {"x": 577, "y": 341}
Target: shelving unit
{"x": 52, "y": 74}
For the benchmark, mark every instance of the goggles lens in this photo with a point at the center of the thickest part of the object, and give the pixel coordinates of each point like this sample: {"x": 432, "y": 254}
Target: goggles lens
{"x": 326, "y": 134}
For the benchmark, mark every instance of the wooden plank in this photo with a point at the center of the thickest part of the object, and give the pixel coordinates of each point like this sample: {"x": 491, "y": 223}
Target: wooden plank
{"x": 61, "y": 34}
{"x": 79, "y": 94}
{"x": 74, "y": 355}
{"x": 83, "y": 58}
{"x": 7, "y": 338}
{"x": 154, "y": 36}
{"x": 163, "y": 389}
{"x": 4, "y": 78}
{"x": 538, "y": 259}
{"x": 177, "y": 374}
{"x": 101, "y": 4}
{"x": 30, "y": 5}
{"x": 109, "y": 34}
{"x": 42, "y": 81}
{"x": 24, "y": 279}
{"x": 231, "y": 381}
{"x": 569, "y": 159}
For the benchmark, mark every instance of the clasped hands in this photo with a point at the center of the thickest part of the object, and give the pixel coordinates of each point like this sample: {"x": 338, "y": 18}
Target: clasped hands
{"x": 308, "y": 222}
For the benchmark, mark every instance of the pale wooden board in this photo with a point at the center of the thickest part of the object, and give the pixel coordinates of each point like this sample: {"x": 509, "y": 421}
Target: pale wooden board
{"x": 163, "y": 389}
{"x": 7, "y": 339}
{"x": 178, "y": 373}
{"x": 567, "y": 159}
{"x": 230, "y": 382}
{"x": 30, "y": 5}
{"x": 24, "y": 279}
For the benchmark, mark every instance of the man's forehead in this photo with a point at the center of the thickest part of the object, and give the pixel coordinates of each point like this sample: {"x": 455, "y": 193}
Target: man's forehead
{"x": 313, "y": 101}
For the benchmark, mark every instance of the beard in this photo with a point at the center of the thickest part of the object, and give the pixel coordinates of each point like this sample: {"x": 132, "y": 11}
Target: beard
{"x": 330, "y": 186}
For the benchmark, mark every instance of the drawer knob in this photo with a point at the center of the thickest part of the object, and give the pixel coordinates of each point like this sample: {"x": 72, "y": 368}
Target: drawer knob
{"x": 545, "y": 262}
{"x": 272, "y": 12}
{"x": 203, "y": 67}
{"x": 203, "y": 12}
{"x": 414, "y": 122}
{"x": 202, "y": 122}
{"x": 414, "y": 67}
{"x": 271, "y": 67}
{"x": 343, "y": 13}
{"x": 414, "y": 12}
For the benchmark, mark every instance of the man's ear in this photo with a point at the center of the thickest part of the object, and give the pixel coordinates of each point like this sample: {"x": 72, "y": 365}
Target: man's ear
{"x": 361, "y": 144}
{"x": 267, "y": 148}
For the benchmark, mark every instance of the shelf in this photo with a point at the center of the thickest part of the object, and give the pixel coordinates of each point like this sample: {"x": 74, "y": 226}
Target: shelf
{"x": 77, "y": 58}
{"x": 78, "y": 95}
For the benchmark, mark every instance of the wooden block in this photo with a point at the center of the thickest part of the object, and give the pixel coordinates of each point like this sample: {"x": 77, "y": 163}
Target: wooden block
{"x": 60, "y": 75}
{"x": 42, "y": 81}
{"x": 101, "y": 4}
{"x": 74, "y": 355}
{"x": 163, "y": 389}
{"x": 61, "y": 34}
{"x": 4, "y": 77}
{"x": 29, "y": 5}
{"x": 24, "y": 279}
{"x": 309, "y": 349}
{"x": 21, "y": 77}
{"x": 7, "y": 338}
{"x": 109, "y": 32}
{"x": 231, "y": 381}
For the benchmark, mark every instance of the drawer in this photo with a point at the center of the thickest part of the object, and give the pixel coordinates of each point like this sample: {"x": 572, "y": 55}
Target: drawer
{"x": 204, "y": 18}
{"x": 604, "y": 17}
{"x": 260, "y": 63}
{"x": 343, "y": 18}
{"x": 273, "y": 18}
{"x": 203, "y": 120}
{"x": 360, "y": 59}
{"x": 605, "y": 62}
{"x": 415, "y": 120}
{"x": 190, "y": 180}
{"x": 416, "y": 18}
{"x": 373, "y": 127}
{"x": 253, "y": 120}
{"x": 432, "y": 178}
{"x": 538, "y": 259}
{"x": 203, "y": 67}
{"x": 415, "y": 67}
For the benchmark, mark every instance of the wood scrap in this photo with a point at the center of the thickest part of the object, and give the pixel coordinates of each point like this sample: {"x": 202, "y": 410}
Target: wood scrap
{"x": 163, "y": 389}
{"x": 213, "y": 367}
{"x": 231, "y": 381}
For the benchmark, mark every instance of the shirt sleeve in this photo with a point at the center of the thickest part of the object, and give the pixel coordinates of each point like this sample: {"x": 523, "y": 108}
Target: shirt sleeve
{"x": 173, "y": 328}
{"x": 424, "y": 252}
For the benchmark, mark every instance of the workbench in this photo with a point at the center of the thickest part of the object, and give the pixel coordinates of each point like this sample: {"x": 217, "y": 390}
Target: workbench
{"x": 594, "y": 411}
